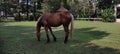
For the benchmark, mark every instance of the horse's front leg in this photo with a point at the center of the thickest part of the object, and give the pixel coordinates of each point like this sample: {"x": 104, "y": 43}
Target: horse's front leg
{"x": 52, "y": 34}
{"x": 38, "y": 27}
{"x": 46, "y": 30}
{"x": 66, "y": 33}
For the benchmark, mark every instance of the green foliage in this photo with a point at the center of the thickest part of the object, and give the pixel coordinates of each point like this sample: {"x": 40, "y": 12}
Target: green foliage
{"x": 37, "y": 15}
{"x": 50, "y": 5}
{"x": 45, "y": 6}
{"x": 33, "y": 0}
{"x": 81, "y": 9}
{"x": 108, "y": 15}
{"x": 54, "y": 5}
{"x": 104, "y": 4}
{"x": 31, "y": 18}
{"x": 17, "y": 17}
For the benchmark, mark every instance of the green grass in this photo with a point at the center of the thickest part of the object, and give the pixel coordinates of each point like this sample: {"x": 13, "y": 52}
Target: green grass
{"x": 89, "y": 38}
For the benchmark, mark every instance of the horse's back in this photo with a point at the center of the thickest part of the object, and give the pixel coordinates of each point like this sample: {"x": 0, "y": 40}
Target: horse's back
{"x": 49, "y": 19}
{"x": 55, "y": 19}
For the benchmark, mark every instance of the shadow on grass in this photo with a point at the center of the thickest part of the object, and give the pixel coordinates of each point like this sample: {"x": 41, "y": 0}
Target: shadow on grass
{"x": 22, "y": 40}
{"x": 88, "y": 34}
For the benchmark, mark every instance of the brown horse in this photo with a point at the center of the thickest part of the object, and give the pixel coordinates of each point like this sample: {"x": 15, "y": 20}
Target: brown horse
{"x": 48, "y": 20}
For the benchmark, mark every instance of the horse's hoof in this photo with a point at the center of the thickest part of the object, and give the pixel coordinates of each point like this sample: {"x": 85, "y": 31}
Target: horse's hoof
{"x": 55, "y": 40}
{"x": 48, "y": 41}
{"x": 65, "y": 42}
{"x": 38, "y": 40}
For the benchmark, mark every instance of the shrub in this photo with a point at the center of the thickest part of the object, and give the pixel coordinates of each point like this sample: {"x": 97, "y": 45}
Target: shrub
{"x": 17, "y": 17}
{"x": 20, "y": 17}
{"x": 24, "y": 17}
{"x": 108, "y": 15}
{"x": 31, "y": 18}
{"x": 38, "y": 14}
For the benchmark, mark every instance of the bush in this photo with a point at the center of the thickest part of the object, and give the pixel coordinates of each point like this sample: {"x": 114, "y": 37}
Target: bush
{"x": 38, "y": 14}
{"x": 20, "y": 18}
{"x": 31, "y": 17}
{"x": 24, "y": 17}
{"x": 108, "y": 15}
{"x": 17, "y": 17}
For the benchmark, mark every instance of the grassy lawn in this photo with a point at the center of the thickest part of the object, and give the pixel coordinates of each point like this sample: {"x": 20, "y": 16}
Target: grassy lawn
{"x": 89, "y": 38}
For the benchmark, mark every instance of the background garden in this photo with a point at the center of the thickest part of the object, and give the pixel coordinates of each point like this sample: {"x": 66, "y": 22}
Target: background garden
{"x": 30, "y": 10}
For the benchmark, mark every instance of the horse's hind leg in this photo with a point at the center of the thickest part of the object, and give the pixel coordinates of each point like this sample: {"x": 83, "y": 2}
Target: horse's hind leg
{"x": 66, "y": 33}
{"x": 46, "y": 30}
{"x": 52, "y": 34}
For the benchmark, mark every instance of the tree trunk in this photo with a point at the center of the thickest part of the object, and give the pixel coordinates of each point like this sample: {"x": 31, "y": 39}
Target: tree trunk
{"x": 34, "y": 11}
{"x": 5, "y": 13}
{"x": 0, "y": 17}
{"x": 27, "y": 10}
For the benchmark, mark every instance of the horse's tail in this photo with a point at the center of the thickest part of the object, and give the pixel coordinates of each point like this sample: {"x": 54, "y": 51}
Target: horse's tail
{"x": 72, "y": 26}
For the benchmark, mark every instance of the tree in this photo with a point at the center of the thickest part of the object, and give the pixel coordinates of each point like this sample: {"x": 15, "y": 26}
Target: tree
{"x": 34, "y": 4}
{"x": 66, "y": 3}
{"x": 5, "y": 7}
{"x": 104, "y": 4}
{"x": 0, "y": 9}
{"x": 50, "y": 5}
{"x": 27, "y": 9}
{"x": 81, "y": 8}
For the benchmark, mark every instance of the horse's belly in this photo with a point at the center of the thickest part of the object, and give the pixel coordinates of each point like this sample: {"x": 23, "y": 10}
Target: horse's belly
{"x": 55, "y": 24}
